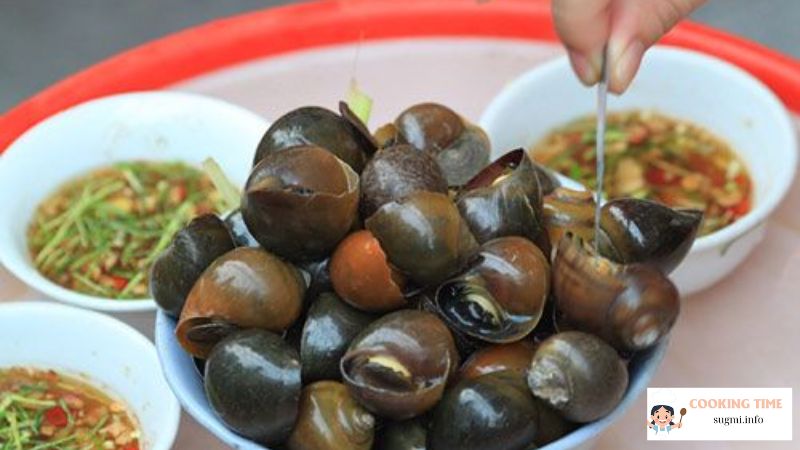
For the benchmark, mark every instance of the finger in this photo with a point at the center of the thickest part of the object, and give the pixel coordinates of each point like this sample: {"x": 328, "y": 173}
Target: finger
{"x": 637, "y": 25}
{"x": 583, "y": 26}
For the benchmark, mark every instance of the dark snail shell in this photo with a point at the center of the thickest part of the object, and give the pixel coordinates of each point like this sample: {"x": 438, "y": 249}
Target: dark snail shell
{"x": 367, "y": 141}
{"x": 551, "y": 425}
{"x": 465, "y": 157}
{"x": 312, "y": 125}
{"x": 252, "y": 381}
{"x": 329, "y": 328}
{"x": 579, "y": 375}
{"x": 502, "y": 297}
{"x": 244, "y": 288}
{"x": 238, "y": 229}
{"x": 193, "y": 248}
{"x": 648, "y": 232}
{"x": 300, "y": 202}
{"x": 548, "y": 181}
{"x": 629, "y": 306}
{"x": 398, "y": 366}
{"x": 504, "y": 199}
{"x": 362, "y": 276}
{"x": 460, "y": 148}
{"x": 406, "y": 435}
{"x": 490, "y": 412}
{"x": 514, "y": 357}
{"x": 319, "y": 278}
{"x": 429, "y": 126}
{"x": 423, "y": 236}
{"x": 330, "y": 419}
{"x": 394, "y": 173}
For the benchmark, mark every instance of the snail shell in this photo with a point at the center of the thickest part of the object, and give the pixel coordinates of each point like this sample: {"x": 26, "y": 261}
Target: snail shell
{"x": 330, "y": 419}
{"x": 631, "y": 307}
{"x": 244, "y": 288}
{"x": 579, "y": 375}
{"x": 252, "y": 381}
{"x": 191, "y": 251}
{"x": 399, "y": 365}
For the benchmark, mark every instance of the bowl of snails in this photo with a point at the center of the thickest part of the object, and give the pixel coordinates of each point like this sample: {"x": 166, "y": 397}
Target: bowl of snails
{"x": 413, "y": 288}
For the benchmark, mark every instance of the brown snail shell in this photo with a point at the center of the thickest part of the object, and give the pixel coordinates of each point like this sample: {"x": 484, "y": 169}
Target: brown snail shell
{"x": 394, "y": 173}
{"x": 460, "y": 148}
{"x": 491, "y": 412}
{"x": 398, "y": 366}
{"x": 300, "y": 202}
{"x": 630, "y": 306}
{"x": 244, "y": 288}
{"x": 423, "y": 236}
{"x": 568, "y": 210}
{"x": 178, "y": 267}
{"x": 504, "y": 199}
{"x": 465, "y": 157}
{"x": 361, "y": 275}
{"x": 313, "y": 125}
{"x": 514, "y": 357}
{"x": 429, "y": 126}
{"x": 579, "y": 375}
{"x": 502, "y": 297}
{"x": 330, "y": 419}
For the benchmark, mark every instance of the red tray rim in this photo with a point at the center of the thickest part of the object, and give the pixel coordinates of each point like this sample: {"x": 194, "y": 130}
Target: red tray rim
{"x": 274, "y": 31}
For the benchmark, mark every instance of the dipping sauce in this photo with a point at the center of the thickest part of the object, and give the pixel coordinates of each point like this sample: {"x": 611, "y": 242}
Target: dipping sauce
{"x": 656, "y": 157}
{"x": 99, "y": 234}
{"x": 42, "y": 409}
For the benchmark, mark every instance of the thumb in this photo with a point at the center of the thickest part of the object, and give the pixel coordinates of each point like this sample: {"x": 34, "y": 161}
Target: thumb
{"x": 584, "y": 26}
{"x": 637, "y": 25}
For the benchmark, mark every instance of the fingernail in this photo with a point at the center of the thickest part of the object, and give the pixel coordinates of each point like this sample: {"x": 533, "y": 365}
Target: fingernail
{"x": 624, "y": 67}
{"x": 586, "y": 71}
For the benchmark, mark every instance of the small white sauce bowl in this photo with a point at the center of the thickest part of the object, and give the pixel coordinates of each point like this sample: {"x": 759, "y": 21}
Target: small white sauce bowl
{"x": 687, "y": 85}
{"x": 153, "y": 126}
{"x": 92, "y": 346}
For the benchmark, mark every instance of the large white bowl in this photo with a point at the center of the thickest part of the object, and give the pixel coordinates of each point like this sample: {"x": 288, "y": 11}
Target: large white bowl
{"x": 167, "y": 126}
{"x": 693, "y": 86}
{"x": 185, "y": 380}
{"x": 109, "y": 353}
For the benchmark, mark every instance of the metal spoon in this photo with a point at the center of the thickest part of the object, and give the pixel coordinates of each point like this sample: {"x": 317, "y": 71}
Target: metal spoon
{"x": 600, "y": 144}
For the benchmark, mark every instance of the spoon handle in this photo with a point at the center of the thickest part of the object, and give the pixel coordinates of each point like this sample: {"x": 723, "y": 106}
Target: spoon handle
{"x": 600, "y": 144}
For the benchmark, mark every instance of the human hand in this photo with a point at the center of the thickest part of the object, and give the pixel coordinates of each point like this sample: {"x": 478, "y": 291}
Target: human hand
{"x": 629, "y": 27}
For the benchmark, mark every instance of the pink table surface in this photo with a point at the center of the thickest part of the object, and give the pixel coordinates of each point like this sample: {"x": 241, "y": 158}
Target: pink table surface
{"x": 742, "y": 332}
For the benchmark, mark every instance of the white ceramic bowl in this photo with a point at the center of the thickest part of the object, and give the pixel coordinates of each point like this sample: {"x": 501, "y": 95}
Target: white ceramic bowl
{"x": 182, "y": 375}
{"x": 167, "y": 126}
{"x": 109, "y": 353}
{"x": 681, "y": 83}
